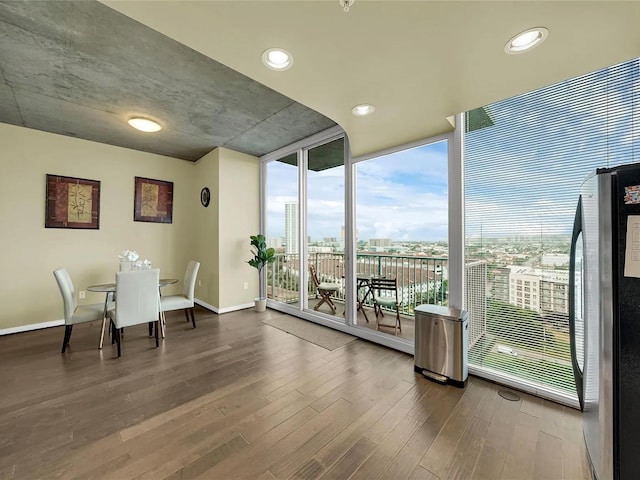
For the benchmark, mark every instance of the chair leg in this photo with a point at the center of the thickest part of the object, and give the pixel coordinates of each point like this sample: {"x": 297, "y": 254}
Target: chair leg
{"x": 67, "y": 337}
{"x": 326, "y": 298}
{"x": 186, "y": 314}
{"x": 332, "y": 305}
{"x": 157, "y": 333}
{"x": 150, "y": 329}
{"x": 193, "y": 318}
{"x": 118, "y": 340}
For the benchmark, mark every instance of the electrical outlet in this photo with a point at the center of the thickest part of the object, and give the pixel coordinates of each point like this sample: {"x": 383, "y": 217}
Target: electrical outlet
{"x": 81, "y": 294}
{"x": 246, "y": 285}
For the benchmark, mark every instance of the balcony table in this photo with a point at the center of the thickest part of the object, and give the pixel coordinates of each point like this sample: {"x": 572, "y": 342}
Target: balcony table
{"x": 364, "y": 283}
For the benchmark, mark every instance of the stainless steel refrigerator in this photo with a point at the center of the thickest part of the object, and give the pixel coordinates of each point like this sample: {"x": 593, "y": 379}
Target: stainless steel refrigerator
{"x": 604, "y": 319}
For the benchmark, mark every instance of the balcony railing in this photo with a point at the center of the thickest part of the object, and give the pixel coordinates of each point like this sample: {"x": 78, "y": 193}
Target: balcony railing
{"x": 420, "y": 279}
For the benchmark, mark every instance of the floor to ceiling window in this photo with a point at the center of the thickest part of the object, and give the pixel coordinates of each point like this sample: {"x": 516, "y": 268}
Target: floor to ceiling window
{"x": 304, "y": 220}
{"x": 524, "y": 162}
{"x": 325, "y": 228}
{"x": 282, "y": 231}
{"x": 399, "y": 233}
{"x": 402, "y": 233}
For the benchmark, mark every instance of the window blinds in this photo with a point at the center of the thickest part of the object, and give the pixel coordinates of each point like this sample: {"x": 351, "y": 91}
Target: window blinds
{"x": 522, "y": 173}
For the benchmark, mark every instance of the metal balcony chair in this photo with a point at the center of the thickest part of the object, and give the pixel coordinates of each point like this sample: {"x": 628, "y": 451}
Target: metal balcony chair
{"x": 325, "y": 289}
{"x": 386, "y": 295}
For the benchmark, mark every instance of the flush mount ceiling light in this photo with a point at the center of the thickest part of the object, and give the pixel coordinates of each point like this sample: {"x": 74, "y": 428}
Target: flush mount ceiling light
{"x": 526, "y": 40}
{"x": 363, "y": 109}
{"x": 144, "y": 124}
{"x": 277, "y": 59}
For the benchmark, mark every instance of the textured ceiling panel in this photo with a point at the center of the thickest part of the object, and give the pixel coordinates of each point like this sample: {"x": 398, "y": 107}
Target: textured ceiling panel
{"x": 284, "y": 127}
{"x": 82, "y": 69}
{"x": 418, "y": 62}
{"x": 9, "y": 109}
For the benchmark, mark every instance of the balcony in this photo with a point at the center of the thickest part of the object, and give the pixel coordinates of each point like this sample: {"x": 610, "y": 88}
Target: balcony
{"x": 540, "y": 343}
{"x": 421, "y": 280}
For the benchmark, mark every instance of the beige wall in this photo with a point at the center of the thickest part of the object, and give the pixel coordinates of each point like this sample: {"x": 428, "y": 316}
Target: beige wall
{"x": 238, "y": 195}
{"x": 29, "y": 293}
{"x": 223, "y": 229}
{"x": 205, "y": 230}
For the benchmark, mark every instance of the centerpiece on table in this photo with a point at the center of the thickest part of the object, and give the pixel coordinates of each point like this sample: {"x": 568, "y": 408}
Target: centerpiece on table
{"x": 127, "y": 259}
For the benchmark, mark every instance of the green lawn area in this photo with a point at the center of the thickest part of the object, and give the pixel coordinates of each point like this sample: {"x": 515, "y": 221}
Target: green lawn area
{"x": 541, "y": 371}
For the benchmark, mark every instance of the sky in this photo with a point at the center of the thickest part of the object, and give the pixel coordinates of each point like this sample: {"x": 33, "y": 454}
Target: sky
{"x": 522, "y": 175}
{"x": 402, "y": 196}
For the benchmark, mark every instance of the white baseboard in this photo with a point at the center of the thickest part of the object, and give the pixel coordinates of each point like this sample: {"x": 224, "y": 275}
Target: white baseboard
{"x": 33, "y": 326}
{"x": 225, "y": 309}
{"x": 236, "y": 307}
{"x": 57, "y": 323}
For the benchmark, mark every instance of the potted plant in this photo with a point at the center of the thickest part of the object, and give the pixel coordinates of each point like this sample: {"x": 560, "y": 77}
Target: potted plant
{"x": 261, "y": 257}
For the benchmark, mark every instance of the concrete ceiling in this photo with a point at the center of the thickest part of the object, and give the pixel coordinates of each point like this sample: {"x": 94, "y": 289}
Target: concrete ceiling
{"x": 418, "y": 62}
{"x": 82, "y": 69}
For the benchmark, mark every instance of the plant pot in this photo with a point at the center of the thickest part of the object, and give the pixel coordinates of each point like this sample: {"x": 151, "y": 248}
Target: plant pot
{"x": 261, "y": 304}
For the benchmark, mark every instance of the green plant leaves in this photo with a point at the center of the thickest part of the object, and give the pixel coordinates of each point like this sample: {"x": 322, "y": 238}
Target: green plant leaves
{"x": 261, "y": 254}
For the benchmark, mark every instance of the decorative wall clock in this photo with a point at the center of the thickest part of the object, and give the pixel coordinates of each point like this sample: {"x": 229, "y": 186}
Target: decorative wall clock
{"x": 205, "y": 197}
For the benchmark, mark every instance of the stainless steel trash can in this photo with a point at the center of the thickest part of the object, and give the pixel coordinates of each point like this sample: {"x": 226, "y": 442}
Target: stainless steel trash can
{"x": 441, "y": 341}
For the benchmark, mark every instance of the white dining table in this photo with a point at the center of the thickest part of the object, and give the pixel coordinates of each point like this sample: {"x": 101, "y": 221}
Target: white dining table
{"x": 109, "y": 289}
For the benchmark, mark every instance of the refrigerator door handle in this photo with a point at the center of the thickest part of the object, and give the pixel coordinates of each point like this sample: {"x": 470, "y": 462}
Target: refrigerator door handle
{"x": 577, "y": 372}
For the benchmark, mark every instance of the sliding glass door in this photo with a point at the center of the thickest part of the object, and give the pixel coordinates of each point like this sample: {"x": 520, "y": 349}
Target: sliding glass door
{"x": 282, "y": 232}
{"x": 325, "y": 228}
{"x": 401, "y": 220}
{"x": 338, "y": 222}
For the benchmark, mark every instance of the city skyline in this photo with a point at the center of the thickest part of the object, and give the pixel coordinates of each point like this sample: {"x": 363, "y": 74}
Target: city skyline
{"x": 522, "y": 174}
{"x": 384, "y": 187}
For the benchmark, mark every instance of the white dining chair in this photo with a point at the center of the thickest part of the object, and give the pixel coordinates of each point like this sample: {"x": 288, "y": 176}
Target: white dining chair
{"x": 185, "y": 299}
{"x": 74, "y": 313}
{"x": 137, "y": 301}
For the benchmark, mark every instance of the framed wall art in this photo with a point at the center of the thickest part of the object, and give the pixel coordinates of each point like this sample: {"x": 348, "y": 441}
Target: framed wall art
{"x": 72, "y": 203}
{"x": 153, "y": 201}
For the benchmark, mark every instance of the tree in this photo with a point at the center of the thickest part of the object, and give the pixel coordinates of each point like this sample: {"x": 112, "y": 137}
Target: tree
{"x": 517, "y": 325}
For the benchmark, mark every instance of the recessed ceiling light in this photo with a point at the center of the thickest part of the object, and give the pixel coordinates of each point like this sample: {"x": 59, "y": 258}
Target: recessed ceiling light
{"x": 144, "y": 124}
{"x": 277, "y": 59}
{"x": 526, "y": 40}
{"x": 363, "y": 109}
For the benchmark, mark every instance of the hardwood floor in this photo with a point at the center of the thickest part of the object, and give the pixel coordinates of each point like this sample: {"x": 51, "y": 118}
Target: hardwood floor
{"x": 407, "y": 322}
{"x": 236, "y": 398}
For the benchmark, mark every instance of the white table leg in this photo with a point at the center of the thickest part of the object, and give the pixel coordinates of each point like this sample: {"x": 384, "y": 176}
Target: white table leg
{"x": 104, "y": 320}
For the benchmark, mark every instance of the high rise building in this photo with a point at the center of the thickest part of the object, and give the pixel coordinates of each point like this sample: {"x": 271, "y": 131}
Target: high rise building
{"x": 380, "y": 242}
{"x": 276, "y": 242}
{"x": 542, "y": 290}
{"x": 291, "y": 227}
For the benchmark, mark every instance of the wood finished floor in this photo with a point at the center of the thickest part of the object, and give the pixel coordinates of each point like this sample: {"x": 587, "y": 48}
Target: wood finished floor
{"x": 236, "y": 398}
{"x": 407, "y": 323}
